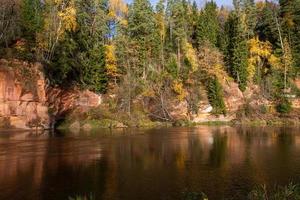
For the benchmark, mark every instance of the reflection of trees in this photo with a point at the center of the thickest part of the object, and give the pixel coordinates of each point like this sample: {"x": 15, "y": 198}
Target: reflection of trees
{"x": 145, "y": 164}
{"x": 217, "y": 154}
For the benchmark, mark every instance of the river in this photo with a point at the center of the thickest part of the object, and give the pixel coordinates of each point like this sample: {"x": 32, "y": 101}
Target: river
{"x": 158, "y": 164}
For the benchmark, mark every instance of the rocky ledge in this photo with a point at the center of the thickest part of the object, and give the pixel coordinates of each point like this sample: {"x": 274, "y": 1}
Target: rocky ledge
{"x": 28, "y": 102}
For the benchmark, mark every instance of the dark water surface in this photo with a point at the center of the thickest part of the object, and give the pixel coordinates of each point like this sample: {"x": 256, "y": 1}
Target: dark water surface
{"x": 223, "y": 162}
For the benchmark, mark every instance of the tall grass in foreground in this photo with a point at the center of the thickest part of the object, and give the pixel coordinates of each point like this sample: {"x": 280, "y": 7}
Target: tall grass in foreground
{"x": 289, "y": 192}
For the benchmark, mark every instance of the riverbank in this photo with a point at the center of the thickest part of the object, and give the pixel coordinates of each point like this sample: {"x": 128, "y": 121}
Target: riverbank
{"x": 92, "y": 121}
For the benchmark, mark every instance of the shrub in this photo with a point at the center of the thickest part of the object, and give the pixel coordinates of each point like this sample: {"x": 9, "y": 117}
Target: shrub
{"x": 215, "y": 96}
{"x": 284, "y": 106}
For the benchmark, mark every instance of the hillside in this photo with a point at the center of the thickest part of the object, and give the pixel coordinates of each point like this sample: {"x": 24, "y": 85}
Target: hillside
{"x": 146, "y": 65}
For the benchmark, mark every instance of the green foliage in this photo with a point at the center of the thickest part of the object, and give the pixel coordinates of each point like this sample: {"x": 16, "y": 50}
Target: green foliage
{"x": 237, "y": 51}
{"x": 79, "y": 58}
{"x": 284, "y": 106}
{"x": 289, "y": 11}
{"x": 208, "y": 25}
{"x": 215, "y": 96}
{"x": 266, "y": 27}
{"x": 172, "y": 67}
{"x": 143, "y": 30}
{"x": 32, "y": 19}
{"x": 177, "y": 26}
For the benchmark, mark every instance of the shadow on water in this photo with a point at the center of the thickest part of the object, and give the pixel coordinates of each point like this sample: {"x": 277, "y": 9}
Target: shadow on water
{"x": 223, "y": 162}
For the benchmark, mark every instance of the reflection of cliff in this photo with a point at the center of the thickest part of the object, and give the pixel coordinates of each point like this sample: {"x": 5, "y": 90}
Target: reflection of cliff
{"x": 29, "y": 161}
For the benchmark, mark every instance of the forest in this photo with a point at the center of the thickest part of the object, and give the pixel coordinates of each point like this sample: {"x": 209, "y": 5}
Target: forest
{"x": 174, "y": 49}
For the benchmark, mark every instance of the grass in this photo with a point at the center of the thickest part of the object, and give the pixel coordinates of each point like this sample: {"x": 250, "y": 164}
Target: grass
{"x": 288, "y": 192}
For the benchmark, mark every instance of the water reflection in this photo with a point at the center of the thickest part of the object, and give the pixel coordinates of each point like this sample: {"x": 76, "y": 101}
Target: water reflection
{"x": 223, "y": 162}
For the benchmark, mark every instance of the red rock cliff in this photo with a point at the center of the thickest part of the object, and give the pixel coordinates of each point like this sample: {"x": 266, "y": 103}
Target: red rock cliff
{"x": 27, "y": 102}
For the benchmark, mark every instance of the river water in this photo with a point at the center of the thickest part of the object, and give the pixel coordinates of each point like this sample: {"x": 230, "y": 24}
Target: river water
{"x": 134, "y": 164}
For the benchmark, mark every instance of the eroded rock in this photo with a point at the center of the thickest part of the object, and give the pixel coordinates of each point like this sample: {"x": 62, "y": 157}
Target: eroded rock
{"x": 27, "y": 102}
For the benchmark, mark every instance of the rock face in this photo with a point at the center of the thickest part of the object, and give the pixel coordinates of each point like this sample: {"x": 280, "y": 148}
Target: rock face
{"x": 61, "y": 102}
{"x": 27, "y": 103}
{"x": 23, "y": 102}
{"x": 233, "y": 96}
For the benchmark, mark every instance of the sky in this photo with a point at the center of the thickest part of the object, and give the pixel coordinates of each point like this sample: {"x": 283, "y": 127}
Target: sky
{"x": 219, "y": 2}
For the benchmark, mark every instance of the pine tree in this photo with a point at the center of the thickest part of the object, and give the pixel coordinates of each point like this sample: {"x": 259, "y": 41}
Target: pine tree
{"x": 290, "y": 14}
{"x": 161, "y": 19}
{"x": 215, "y": 95}
{"x": 208, "y": 25}
{"x": 143, "y": 30}
{"x": 90, "y": 36}
{"x": 249, "y": 8}
{"x": 176, "y": 24}
{"x": 237, "y": 50}
{"x": 32, "y": 19}
{"x": 266, "y": 27}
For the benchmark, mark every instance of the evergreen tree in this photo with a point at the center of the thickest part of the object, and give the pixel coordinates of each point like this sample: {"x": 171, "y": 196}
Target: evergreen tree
{"x": 290, "y": 14}
{"x": 32, "y": 19}
{"x": 176, "y": 24}
{"x": 208, "y": 25}
{"x": 237, "y": 50}
{"x": 266, "y": 27}
{"x": 143, "y": 29}
{"x": 90, "y": 38}
{"x": 249, "y": 8}
{"x": 215, "y": 95}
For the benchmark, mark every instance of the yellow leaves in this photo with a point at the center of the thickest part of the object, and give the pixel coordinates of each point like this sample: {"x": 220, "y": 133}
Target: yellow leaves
{"x": 274, "y": 61}
{"x": 68, "y": 18}
{"x": 257, "y": 47}
{"x": 148, "y": 93}
{"x": 123, "y": 22}
{"x": 111, "y": 61}
{"x": 260, "y": 52}
{"x": 160, "y": 18}
{"x": 59, "y": 18}
{"x": 190, "y": 54}
{"x": 179, "y": 90}
{"x": 117, "y": 11}
{"x": 260, "y": 5}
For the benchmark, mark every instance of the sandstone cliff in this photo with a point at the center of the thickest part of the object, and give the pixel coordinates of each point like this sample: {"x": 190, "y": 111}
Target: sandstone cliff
{"x": 26, "y": 100}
